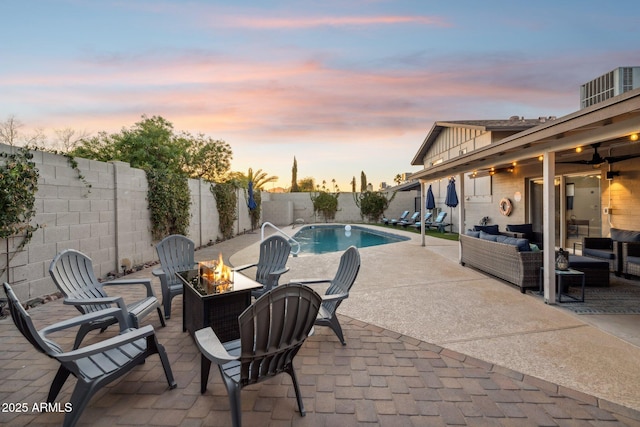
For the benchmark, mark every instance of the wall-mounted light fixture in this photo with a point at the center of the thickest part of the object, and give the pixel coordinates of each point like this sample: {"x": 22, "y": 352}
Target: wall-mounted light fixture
{"x": 611, "y": 174}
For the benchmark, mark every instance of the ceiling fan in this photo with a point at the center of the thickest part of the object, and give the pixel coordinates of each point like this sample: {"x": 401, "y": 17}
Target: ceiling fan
{"x": 597, "y": 159}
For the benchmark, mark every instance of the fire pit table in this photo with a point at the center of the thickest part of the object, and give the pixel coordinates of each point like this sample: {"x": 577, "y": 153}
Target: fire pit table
{"x": 211, "y": 301}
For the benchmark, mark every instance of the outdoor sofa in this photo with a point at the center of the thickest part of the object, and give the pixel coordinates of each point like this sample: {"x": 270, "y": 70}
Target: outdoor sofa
{"x": 508, "y": 258}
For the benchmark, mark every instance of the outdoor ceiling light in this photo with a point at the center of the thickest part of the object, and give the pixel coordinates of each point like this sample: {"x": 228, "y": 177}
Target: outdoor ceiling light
{"x": 634, "y": 137}
{"x": 578, "y": 149}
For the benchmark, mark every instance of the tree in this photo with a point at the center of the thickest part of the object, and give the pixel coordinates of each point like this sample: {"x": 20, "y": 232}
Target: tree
{"x": 9, "y": 130}
{"x": 294, "y": 177}
{"x": 206, "y": 157}
{"x": 168, "y": 160}
{"x": 363, "y": 182}
{"x": 259, "y": 179}
{"x": 325, "y": 204}
{"x": 306, "y": 184}
{"x": 398, "y": 179}
{"x": 68, "y": 139}
{"x": 372, "y": 204}
{"x": 152, "y": 144}
{"x": 353, "y": 185}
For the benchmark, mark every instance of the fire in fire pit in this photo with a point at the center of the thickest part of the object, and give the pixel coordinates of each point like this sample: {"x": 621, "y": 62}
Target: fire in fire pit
{"x": 216, "y": 277}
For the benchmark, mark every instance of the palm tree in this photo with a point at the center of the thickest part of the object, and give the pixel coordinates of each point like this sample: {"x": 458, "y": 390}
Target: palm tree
{"x": 260, "y": 178}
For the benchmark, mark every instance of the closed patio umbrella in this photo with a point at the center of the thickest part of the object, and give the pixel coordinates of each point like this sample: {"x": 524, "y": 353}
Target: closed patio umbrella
{"x": 431, "y": 201}
{"x": 452, "y": 197}
{"x": 251, "y": 203}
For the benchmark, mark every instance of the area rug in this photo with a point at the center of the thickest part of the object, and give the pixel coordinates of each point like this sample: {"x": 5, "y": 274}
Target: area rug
{"x": 621, "y": 297}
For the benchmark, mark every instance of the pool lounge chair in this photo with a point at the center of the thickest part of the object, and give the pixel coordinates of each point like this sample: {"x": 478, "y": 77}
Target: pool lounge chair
{"x": 406, "y": 222}
{"x": 439, "y": 222}
{"x": 401, "y": 218}
{"x": 427, "y": 221}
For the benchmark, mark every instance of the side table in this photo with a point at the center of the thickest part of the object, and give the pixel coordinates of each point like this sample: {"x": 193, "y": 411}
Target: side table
{"x": 560, "y": 275}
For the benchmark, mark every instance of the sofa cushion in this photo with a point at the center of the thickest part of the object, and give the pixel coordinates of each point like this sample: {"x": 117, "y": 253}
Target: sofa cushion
{"x": 625, "y": 235}
{"x": 490, "y": 229}
{"x": 501, "y": 238}
{"x": 472, "y": 233}
{"x": 580, "y": 262}
{"x": 633, "y": 259}
{"x": 521, "y": 244}
{"x": 488, "y": 236}
{"x": 598, "y": 253}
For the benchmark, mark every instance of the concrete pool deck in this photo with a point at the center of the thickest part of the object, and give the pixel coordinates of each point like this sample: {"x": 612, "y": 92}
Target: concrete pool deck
{"x": 423, "y": 292}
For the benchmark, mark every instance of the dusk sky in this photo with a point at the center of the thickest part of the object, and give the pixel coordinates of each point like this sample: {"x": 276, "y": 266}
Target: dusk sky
{"x": 344, "y": 86}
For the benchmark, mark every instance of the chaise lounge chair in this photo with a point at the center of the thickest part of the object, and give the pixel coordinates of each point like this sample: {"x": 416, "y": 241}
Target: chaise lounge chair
{"x": 427, "y": 221}
{"x": 439, "y": 222}
{"x": 407, "y": 222}
{"x": 401, "y": 218}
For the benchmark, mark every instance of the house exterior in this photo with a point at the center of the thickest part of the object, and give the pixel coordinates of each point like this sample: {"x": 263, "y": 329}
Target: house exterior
{"x": 554, "y": 173}
{"x": 449, "y": 140}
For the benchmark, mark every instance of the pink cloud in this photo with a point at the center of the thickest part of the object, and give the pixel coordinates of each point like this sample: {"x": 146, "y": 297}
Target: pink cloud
{"x": 322, "y": 21}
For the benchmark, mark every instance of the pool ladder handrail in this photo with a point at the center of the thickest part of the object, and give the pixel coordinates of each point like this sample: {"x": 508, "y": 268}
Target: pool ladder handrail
{"x": 291, "y": 239}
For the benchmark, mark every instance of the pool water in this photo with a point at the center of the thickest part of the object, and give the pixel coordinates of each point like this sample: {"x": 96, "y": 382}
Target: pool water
{"x": 320, "y": 239}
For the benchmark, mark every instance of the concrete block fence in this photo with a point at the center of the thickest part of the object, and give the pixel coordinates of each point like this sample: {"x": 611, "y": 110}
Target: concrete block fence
{"x": 106, "y": 217}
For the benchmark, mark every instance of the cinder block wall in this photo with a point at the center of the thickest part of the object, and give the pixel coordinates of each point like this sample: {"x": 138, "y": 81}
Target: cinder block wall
{"x": 285, "y": 208}
{"x": 104, "y": 215}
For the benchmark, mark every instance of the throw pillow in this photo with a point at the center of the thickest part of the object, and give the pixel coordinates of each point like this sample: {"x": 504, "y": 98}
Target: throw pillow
{"x": 520, "y": 228}
{"x": 490, "y": 229}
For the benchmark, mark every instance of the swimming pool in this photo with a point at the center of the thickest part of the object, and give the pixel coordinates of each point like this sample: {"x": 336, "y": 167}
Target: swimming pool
{"x": 320, "y": 239}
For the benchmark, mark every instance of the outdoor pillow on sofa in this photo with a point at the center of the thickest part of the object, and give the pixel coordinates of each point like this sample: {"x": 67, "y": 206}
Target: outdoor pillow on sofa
{"x": 488, "y": 236}
{"x": 521, "y": 244}
{"x": 625, "y": 235}
{"x": 490, "y": 229}
{"x": 472, "y": 233}
{"x": 526, "y": 229}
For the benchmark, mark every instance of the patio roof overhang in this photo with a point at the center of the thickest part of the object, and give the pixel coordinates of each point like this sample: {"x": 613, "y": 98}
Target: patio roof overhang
{"x": 608, "y": 123}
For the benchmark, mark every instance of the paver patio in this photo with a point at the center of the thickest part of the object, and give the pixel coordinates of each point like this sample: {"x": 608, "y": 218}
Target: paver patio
{"x": 381, "y": 377}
